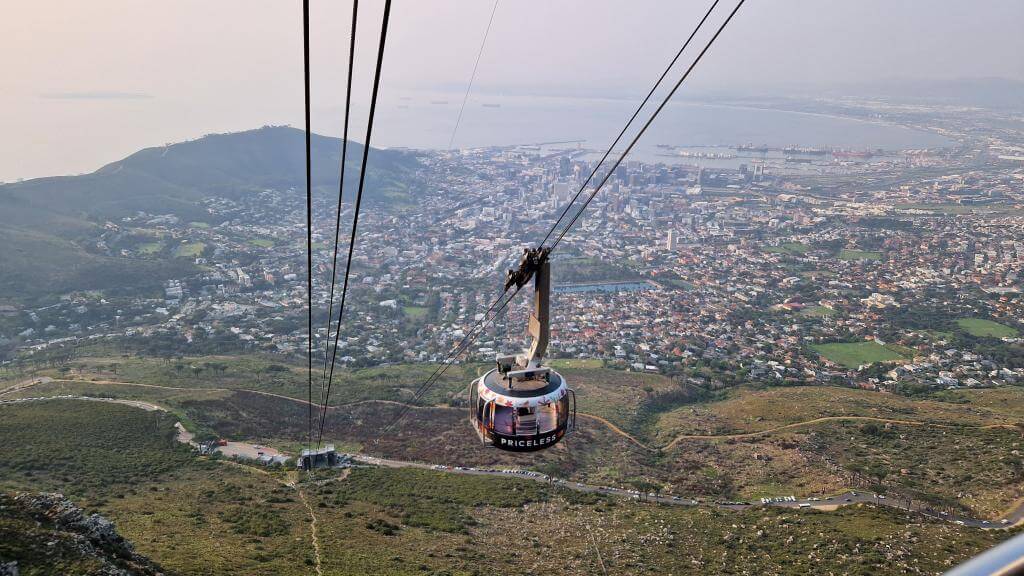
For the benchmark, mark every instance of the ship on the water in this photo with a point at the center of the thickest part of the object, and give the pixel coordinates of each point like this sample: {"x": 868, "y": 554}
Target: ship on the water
{"x": 852, "y": 153}
{"x": 752, "y": 148}
{"x": 706, "y": 155}
{"x": 806, "y": 150}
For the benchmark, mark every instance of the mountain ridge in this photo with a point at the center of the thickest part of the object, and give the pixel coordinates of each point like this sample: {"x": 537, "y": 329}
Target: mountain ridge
{"x": 46, "y": 221}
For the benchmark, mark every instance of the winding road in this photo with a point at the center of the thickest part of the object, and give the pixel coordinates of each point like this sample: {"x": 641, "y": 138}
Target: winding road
{"x": 608, "y": 424}
{"x": 1014, "y": 516}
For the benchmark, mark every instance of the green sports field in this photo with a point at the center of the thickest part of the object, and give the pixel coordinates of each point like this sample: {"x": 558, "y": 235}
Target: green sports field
{"x": 854, "y": 354}
{"x": 859, "y": 255}
{"x": 985, "y": 328}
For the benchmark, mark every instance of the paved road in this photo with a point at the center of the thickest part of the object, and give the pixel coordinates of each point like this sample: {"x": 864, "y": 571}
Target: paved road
{"x": 1014, "y": 516}
{"x": 26, "y": 384}
{"x": 147, "y": 406}
{"x": 612, "y": 427}
{"x": 240, "y": 449}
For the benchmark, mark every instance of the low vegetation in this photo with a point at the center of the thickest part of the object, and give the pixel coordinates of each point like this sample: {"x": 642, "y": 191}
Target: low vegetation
{"x": 556, "y": 534}
{"x": 855, "y": 354}
{"x": 847, "y": 254}
{"x": 270, "y": 374}
{"x": 751, "y": 410}
{"x": 982, "y": 328}
{"x": 973, "y": 469}
{"x": 47, "y": 534}
{"x": 794, "y": 248}
{"x": 203, "y": 517}
{"x": 725, "y": 455}
{"x": 432, "y": 500}
{"x": 86, "y": 449}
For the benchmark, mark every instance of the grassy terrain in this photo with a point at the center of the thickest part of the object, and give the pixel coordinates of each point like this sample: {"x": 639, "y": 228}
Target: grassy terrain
{"x": 192, "y": 516}
{"x": 847, "y": 254}
{"x": 150, "y": 248}
{"x": 626, "y": 399}
{"x": 225, "y": 520}
{"x": 854, "y": 354}
{"x": 219, "y": 518}
{"x": 169, "y": 399}
{"x": 41, "y": 544}
{"x": 189, "y": 250}
{"x": 799, "y": 459}
{"x": 1007, "y": 402}
{"x": 818, "y": 311}
{"x": 654, "y": 409}
{"x": 793, "y": 460}
{"x": 744, "y": 411}
{"x": 559, "y": 533}
{"x": 794, "y": 248}
{"x": 85, "y": 449}
{"x": 561, "y": 364}
{"x": 434, "y": 500}
{"x": 262, "y": 242}
{"x": 967, "y": 468}
{"x": 414, "y": 312}
{"x": 986, "y": 328}
{"x": 273, "y": 375}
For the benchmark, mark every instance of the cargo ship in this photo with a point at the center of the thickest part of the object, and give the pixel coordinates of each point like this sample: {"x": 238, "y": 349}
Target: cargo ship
{"x": 752, "y": 148}
{"x": 852, "y": 154}
{"x": 810, "y": 151}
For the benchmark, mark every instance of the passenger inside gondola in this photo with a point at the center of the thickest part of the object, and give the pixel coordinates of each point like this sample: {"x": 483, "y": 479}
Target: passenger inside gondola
{"x": 504, "y": 420}
{"x": 526, "y": 422}
{"x": 547, "y": 417}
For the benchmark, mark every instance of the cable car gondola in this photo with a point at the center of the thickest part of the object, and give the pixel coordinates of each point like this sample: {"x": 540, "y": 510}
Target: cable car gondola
{"x": 522, "y": 405}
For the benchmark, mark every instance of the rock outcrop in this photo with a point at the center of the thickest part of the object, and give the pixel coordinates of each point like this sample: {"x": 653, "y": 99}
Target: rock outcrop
{"x": 41, "y": 531}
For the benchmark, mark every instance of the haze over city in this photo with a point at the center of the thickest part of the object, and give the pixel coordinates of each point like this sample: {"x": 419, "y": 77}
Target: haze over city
{"x": 95, "y": 81}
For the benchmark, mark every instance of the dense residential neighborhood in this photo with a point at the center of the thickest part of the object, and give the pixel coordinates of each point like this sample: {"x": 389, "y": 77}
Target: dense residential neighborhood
{"x": 893, "y": 270}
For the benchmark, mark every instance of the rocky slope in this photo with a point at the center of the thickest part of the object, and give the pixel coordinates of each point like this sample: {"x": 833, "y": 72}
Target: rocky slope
{"x": 44, "y": 533}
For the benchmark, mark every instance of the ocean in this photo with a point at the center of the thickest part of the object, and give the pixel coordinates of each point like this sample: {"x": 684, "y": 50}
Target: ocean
{"x": 427, "y": 120}
{"x": 52, "y": 137}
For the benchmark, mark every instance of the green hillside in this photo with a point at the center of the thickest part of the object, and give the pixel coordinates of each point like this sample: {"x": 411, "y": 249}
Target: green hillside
{"x": 187, "y": 515}
{"x": 47, "y": 224}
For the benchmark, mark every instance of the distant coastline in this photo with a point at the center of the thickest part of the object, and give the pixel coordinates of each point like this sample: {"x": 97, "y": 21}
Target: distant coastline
{"x": 495, "y": 120}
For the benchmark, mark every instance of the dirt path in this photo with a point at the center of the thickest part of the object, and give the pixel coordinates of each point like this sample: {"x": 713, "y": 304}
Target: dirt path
{"x": 147, "y": 406}
{"x": 1015, "y": 514}
{"x": 205, "y": 389}
{"x": 813, "y": 421}
{"x": 312, "y": 530}
{"x": 612, "y": 427}
{"x": 25, "y": 384}
{"x": 618, "y": 431}
{"x": 293, "y": 484}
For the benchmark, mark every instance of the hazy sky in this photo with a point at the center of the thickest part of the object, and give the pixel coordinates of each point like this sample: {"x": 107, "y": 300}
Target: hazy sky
{"x": 88, "y": 82}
